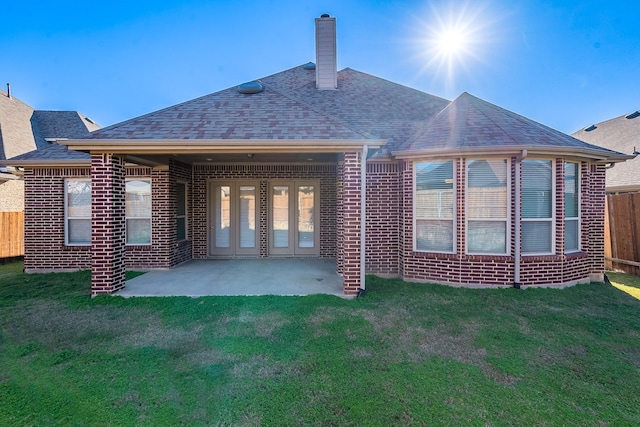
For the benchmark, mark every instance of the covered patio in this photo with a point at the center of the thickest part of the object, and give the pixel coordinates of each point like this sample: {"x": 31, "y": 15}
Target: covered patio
{"x": 196, "y": 278}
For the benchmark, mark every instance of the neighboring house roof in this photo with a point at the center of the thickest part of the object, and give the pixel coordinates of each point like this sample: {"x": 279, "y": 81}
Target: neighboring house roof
{"x": 24, "y": 131}
{"x": 620, "y": 134}
{"x": 469, "y": 123}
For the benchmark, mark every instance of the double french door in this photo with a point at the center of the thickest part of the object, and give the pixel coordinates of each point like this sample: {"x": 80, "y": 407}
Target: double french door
{"x": 291, "y": 213}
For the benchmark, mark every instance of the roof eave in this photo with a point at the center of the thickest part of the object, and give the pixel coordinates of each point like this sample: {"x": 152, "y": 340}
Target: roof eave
{"x": 183, "y": 146}
{"x": 593, "y": 154}
{"x": 48, "y": 163}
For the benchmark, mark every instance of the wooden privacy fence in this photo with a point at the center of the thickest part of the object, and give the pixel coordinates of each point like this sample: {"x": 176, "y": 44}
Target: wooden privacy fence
{"x": 622, "y": 233}
{"x": 11, "y": 234}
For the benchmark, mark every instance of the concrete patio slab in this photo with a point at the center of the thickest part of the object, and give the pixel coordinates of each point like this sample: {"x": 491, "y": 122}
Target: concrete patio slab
{"x": 195, "y": 278}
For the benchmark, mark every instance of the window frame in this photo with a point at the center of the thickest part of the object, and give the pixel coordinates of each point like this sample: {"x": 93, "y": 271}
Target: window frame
{"x": 185, "y": 216}
{"x": 150, "y": 217}
{"x": 551, "y": 219}
{"x": 577, "y": 219}
{"x": 454, "y": 216}
{"x": 507, "y": 218}
{"x": 67, "y": 217}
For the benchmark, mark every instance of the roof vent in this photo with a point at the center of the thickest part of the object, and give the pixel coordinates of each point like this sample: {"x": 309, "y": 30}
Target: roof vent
{"x": 633, "y": 115}
{"x": 309, "y": 66}
{"x": 90, "y": 121}
{"x": 250, "y": 88}
{"x": 590, "y": 128}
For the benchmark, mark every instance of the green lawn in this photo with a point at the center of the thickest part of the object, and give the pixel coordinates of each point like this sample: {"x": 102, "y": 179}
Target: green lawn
{"x": 404, "y": 354}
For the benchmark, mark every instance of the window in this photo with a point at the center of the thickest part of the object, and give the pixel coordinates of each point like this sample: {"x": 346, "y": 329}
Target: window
{"x": 487, "y": 206}
{"x": 138, "y": 212}
{"x": 181, "y": 211}
{"x": 77, "y": 201}
{"x": 537, "y": 207}
{"x": 433, "y": 207}
{"x": 571, "y": 207}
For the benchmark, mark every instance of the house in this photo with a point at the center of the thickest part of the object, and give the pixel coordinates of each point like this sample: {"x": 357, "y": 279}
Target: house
{"x": 315, "y": 162}
{"x": 621, "y": 134}
{"x": 22, "y": 130}
{"x": 622, "y": 231}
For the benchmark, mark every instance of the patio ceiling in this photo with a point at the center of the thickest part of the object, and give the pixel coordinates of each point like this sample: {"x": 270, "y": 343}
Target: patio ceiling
{"x": 163, "y": 159}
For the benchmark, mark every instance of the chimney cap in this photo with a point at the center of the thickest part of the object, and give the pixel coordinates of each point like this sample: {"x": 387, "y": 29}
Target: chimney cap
{"x": 325, "y": 15}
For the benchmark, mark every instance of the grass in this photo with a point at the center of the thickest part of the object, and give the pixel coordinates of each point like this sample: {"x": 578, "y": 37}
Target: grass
{"x": 405, "y": 354}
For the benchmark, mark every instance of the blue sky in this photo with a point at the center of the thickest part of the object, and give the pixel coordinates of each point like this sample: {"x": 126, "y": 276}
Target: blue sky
{"x": 566, "y": 64}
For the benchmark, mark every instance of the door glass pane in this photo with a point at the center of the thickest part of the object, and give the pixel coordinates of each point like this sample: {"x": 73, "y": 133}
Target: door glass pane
{"x": 247, "y": 216}
{"x": 280, "y": 216}
{"x": 222, "y": 216}
{"x": 306, "y": 213}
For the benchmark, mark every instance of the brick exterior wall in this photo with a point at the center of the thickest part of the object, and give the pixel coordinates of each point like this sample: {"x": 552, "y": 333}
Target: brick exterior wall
{"x": 383, "y": 219}
{"x": 203, "y": 174}
{"x": 44, "y": 248}
{"x": 389, "y": 222}
{"x": 559, "y": 269}
{"x": 107, "y": 223}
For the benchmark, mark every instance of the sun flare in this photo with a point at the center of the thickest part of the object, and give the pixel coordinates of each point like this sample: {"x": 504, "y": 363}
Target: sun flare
{"x": 449, "y": 40}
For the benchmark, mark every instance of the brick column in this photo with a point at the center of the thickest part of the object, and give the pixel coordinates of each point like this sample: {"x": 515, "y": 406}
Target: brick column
{"x": 594, "y": 220}
{"x": 351, "y": 204}
{"x": 339, "y": 222}
{"x": 107, "y": 223}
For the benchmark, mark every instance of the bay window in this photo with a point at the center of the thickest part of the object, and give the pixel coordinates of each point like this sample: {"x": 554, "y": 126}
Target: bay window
{"x": 433, "y": 207}
{"x": 487, "y": 206}
{"x": 537, "y": 207}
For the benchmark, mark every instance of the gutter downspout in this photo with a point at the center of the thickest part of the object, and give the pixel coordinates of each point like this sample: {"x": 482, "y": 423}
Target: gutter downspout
{"x": 518, "y": 225}
{"x": 363, "y": 216}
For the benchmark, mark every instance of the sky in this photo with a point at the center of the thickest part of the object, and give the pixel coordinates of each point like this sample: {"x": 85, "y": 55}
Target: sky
{"x": 566, "y": 64}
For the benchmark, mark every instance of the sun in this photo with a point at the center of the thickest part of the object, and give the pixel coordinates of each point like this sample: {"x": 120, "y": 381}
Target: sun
{"x": 449, "y": 41}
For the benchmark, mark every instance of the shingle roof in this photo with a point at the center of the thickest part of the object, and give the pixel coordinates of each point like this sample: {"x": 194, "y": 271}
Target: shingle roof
{"x": 620, "y": 134}
{"x": 470, "y": 122}
{"x": 363, "y": 107}
{"x": 290, "y": 107}
{"x": 23, "y": 131}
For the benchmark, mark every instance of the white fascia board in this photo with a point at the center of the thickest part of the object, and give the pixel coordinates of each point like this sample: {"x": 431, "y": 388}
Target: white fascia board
{"x": 515, "y": 150}
{"x": 182, "y": 146}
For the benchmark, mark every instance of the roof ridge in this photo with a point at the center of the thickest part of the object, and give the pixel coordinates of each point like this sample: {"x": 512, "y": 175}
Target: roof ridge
{"x": 490, "y": 118}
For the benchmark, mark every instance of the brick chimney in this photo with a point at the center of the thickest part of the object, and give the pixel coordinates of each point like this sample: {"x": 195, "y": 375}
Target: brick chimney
{"x": 326, "y": 61}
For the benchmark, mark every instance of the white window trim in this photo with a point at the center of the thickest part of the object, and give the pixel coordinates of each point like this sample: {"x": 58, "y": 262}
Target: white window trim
{"x": 552, "y": 220}
{"x": 454, "y": 219}
{"x": 507, "y": 220}
{"x": 150, "y": 217}
{"x": 67, "y": 217}
{"x": 186, "y": 211}
{"x": 578, "y": 219}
